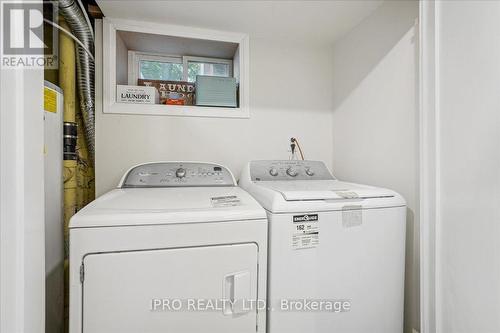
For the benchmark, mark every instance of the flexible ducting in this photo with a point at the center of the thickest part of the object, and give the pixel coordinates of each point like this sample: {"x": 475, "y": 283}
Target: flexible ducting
{"x": 85, "y": 67}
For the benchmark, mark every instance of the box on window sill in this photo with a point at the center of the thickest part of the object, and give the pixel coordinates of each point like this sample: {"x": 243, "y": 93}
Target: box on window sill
{"x": 172, "y": 92}
{"x": 216, "y": 91}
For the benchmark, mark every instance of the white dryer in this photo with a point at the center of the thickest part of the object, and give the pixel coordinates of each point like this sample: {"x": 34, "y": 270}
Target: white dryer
{"x": 336, "y": 250}
{"x": 177, "y": 247}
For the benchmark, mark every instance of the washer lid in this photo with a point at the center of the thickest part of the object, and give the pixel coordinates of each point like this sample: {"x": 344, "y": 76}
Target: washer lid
{"x": 139, "y": 206}
{"x": 325, "y": 190}
{"x": 315, "y": 196}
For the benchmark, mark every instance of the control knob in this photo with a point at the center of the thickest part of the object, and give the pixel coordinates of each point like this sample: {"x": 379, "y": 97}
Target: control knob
{"x": 180, "y": 173}
{"x": 309, "y": 172}
{"x": 291, "y": 172}
{"x": 273, "y": 172}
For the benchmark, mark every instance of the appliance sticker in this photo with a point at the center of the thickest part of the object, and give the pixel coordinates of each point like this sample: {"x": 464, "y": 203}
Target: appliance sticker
{"x": 49, "y": 100}
{"x": 225, "y": 201}
{"x": 305, "y": 234}
{"x": 352, "y": 216}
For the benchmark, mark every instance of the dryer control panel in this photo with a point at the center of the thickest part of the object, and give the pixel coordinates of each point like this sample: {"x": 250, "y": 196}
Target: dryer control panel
{"x": 280, "y": 170}
{"x": 177, "y": 174}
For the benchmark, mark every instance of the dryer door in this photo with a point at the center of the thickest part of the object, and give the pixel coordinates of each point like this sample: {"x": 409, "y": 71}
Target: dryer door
{"x": 209, "y": 289}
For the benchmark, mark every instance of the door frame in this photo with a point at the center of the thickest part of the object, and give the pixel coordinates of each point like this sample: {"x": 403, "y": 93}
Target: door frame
{"x": 429, "y": 151}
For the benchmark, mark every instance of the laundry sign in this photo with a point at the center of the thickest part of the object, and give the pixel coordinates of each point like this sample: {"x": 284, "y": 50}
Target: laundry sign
{"x": 136, "y": 94}
{"x": 305, "y": 233}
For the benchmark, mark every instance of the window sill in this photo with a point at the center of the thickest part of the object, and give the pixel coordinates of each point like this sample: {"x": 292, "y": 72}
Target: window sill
{"x": 178, "y": 110}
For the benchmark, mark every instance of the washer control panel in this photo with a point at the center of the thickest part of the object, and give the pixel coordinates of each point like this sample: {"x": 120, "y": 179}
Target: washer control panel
{"x": 177, "y": 174}
{"x": 274, "y": 170}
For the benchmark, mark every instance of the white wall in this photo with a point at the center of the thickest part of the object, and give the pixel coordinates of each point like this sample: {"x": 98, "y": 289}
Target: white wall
{"x": 375, "y": 118}
{"x": 468, "y": 237}
{"x": 290, "y": 95}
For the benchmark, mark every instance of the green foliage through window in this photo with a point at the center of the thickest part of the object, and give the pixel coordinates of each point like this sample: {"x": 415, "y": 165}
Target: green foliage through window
{"x": 206, "y": 68}
{"x": 173, "y": 71}
{"x": 155, "y": 70}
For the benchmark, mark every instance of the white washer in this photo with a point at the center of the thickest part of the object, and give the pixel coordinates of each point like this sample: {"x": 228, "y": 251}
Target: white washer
{"x": 177, "y": 247}
{"x": 333, "y": 242}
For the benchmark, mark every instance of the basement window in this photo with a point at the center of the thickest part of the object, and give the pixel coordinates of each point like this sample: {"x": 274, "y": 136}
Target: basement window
{"x": 152, "y": 66}
{"x": 155, "y": 67}
{"x": 206, "y": 66}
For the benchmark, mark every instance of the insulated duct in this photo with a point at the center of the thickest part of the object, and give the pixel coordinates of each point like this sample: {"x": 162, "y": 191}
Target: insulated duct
{"x": 85, "y": 67}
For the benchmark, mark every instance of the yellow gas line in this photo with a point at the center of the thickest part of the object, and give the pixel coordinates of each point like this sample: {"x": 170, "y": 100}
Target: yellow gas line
{"x": 67, "y": 82}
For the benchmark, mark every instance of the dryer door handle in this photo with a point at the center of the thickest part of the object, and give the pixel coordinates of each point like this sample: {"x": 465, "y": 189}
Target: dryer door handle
{"x": 237, "y": 293}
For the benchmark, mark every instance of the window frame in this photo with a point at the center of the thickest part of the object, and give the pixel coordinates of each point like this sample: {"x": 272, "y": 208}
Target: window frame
{"x": 135, "y": 57}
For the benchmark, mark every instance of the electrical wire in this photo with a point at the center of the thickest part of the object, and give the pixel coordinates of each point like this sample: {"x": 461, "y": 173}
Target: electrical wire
{"x": 72, "y": 37}
{"x": 294, "y": 142}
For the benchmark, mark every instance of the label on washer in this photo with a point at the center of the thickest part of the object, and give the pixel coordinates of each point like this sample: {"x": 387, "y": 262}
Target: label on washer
{"x": 305, "y": 234}
{"x": 225, "y": 201}
{"x": 352, "y": 216}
